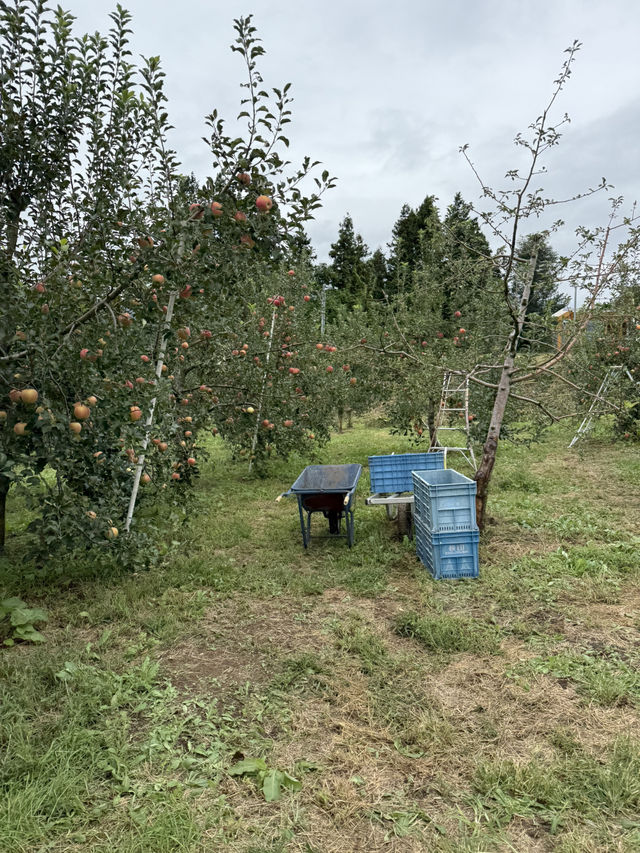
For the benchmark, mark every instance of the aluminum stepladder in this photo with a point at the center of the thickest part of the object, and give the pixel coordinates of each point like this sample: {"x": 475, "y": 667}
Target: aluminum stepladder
{"x": 598, "y": 405}
{"x": 454, "y": 389}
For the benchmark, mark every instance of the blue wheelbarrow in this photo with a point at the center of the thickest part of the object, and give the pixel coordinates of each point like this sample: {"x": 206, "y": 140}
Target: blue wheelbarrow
{"x": 329, "y": 489}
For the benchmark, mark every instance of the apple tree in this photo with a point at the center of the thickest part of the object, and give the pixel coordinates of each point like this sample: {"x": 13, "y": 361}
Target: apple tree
{"x": 509, "y": 376}
{"x": 112, "y": 263}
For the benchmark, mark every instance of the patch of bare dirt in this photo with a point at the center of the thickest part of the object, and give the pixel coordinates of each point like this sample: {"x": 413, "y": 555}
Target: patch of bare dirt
{"x": 239, "y": 641}
{"x": 607, "y": 627}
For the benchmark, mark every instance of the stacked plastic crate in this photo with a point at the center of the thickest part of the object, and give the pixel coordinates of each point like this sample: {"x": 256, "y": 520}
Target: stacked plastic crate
{"x": 444, "y": 517}
{"x": 392, "y": 473}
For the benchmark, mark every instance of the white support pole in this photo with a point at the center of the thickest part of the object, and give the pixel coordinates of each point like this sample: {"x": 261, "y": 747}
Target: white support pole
{"x": 323, "y": 308}
{"x": 262, "y": 390}
{"x": 152, "y": 408}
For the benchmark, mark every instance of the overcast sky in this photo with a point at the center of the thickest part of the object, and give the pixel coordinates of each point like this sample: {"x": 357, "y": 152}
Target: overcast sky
{"x": 386, "y": 93}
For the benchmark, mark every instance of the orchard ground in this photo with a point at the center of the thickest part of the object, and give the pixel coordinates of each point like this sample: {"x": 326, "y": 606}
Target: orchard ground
{"x": 497, "y": 714}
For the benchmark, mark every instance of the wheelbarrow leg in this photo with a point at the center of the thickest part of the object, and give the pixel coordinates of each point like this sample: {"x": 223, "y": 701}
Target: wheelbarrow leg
{"x": 302, "y": 523}
{"x": 349, "y": 522}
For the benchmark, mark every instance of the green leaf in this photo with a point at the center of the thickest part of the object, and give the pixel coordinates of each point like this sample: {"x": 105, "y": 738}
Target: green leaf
{"x": 27, "y": 616}
{"x": 291, "y": 782}
{"x": 68, "y": 672}
{"x": 248, "y": 767}
{"x": 271, "y": 786}
{"x": 29, "y": 633}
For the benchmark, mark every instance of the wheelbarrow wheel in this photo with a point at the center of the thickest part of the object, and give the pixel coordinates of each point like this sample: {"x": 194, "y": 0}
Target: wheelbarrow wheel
{"x": 404, "y": 521}
{"x": 334, "y": 522}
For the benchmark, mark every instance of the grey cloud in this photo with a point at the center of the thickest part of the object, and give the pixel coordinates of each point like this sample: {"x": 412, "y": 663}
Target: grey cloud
{"x": 386, "y": 93}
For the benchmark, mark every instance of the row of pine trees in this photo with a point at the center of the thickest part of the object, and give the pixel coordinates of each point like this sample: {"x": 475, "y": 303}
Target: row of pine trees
{"x": 453, "y": 252}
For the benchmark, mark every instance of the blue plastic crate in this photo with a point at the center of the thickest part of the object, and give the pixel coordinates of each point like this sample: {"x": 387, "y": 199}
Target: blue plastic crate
{"x": 444, "y": 501}
{"x": 448, "y": 555}
{"x": 392, "y": 473}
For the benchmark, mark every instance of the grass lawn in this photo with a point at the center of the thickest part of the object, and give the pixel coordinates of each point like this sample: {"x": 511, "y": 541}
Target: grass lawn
{"x": 248, "y": 696}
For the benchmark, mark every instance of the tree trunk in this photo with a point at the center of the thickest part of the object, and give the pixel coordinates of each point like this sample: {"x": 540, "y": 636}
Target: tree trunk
{"x": 349, "y": 418}
{"x": 485, "y": 469}
{"x": 431, "y": 422}
{"x": 490, "y": 448}
{"x": 340, "y": 418}
{"x": 4, "y": 491}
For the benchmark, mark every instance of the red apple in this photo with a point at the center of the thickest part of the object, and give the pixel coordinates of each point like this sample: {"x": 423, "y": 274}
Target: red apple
{"x": 29, "y": 396}
{"x": 81, "y": 412}
{"x": 264, "y": 203}
{"x": 20, "y": 428}
{"x": 145, "y": 358}
{"x": 244, "y": 178}
{"x": 239, "y": 216}
{"x": 84, "y": 352}
{"x": 329, "y": 369}
{"x": 157, "y": 278}
{"x": 135, "y": 413}
{"x": 216, "y": 208}
{"x": 306, "y": 297}
{"x": 457, "y": 314}
{"x": 74, "y": 426}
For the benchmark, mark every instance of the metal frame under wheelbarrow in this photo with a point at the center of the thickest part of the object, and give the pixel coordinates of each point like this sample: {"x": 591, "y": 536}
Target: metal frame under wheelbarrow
{"x": 329, "y": 489}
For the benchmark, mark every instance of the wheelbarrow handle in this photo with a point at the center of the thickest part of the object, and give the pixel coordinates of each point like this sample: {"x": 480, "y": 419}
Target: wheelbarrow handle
{"x": 283, "y": 495}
